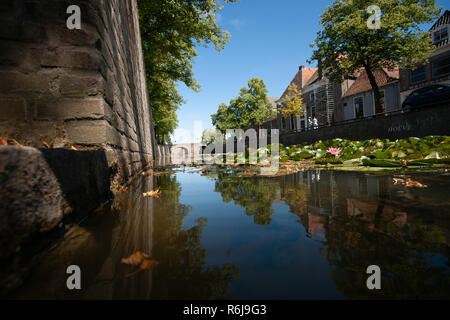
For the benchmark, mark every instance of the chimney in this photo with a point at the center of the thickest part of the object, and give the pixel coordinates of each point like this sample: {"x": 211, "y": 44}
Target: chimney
{"x": 300, "y": 70}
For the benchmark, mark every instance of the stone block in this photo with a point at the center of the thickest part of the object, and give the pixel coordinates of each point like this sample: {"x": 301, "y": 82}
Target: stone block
{"x": 30, "y": 197}
{"x": 12, "y": 108}
{"x": 61, "y": 35}
{"x": 81, "y": 85}
{"x": 88, "y": 59}
{"x": 12, "y": 82}
{"x": 88, "y": 132}
{"x": 72, "y": 109}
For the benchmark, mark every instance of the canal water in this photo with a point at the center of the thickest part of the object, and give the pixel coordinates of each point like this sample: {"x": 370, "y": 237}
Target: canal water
{"x": 309, "y": 235}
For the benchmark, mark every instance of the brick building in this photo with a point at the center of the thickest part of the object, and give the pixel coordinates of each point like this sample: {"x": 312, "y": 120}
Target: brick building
{"x": 358, "y": 100}
{"x": 438, "y": 69}
{"x": 301, "y": 79}
{"x": 321, "y": 100}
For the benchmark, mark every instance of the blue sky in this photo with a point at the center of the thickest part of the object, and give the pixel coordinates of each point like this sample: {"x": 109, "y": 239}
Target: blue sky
{"x": 269, "y": 39}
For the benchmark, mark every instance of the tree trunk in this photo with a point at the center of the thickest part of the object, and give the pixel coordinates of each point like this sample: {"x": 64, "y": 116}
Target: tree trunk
{"x": 379, "y": 107}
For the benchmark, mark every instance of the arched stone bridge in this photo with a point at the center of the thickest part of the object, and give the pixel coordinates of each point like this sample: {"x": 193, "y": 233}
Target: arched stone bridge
{"x": 181, "y": 153}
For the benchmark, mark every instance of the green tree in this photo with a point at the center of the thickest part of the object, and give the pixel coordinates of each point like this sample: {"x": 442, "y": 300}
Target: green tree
{"x": 293, "y": 102}
{"x": 211, "y": 135}
{"x": 182, "y": 271}
{"x": 256, "y": 195}
{"x": 249, "y": 108}
{"x": 171, "y": 31}
{"x": 346, "y": 45}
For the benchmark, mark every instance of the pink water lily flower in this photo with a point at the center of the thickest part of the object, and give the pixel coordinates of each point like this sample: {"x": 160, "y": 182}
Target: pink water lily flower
{"x": 334, "y": 151}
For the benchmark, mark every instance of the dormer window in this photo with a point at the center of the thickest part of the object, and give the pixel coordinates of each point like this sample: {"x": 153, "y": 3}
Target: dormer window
{"x": 440, "y": 35}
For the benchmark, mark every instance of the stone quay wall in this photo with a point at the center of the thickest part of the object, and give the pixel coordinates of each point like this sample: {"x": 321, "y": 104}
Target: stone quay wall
{"x": 83, "y": 87}
{"x": 418, "y": 123}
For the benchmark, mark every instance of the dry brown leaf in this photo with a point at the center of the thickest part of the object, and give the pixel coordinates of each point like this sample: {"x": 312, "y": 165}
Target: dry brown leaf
{"x": 135, "y": 259}
{"x": 45, "y": 144}
{"x": 140, "y": 260}
{"x": 155, "y": 193}
{"x": 10, "y": 142}
{"x": 398, "y": 181}
{"x": 73, "y": 148}
{"x": 147, "y": 264}
{"x": 3, "y": 142}
{"x": 409, "y": 183}
{"x": 415, "y": 184}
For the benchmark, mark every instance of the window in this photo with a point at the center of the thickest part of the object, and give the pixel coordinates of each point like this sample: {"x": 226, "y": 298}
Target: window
{"x": 418, "y": 75}
{"x": 292, "y": 123}
{"x": 440, "y": 67}
{"x": 311, "y": 97}
{"x": 382, "y": 100}
{"x": 440, "y": 35}
{"x": 359, "y": 107}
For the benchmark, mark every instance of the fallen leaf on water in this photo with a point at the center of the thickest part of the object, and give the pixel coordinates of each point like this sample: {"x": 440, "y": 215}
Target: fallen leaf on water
{"x": 416, "y": 184}
{"x": 135, "y": 259}
{"x": 155, "y": 193}
{"x": 140, "y": 260}
{"x": 398, "y": 181}
{"x": 147, "y": 264}
{"x": 409, "y": 183}
{"x": 73, "y": 148}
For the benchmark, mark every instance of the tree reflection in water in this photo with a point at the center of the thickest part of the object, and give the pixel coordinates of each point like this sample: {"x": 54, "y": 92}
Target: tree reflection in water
{"x": 181, "y": 272}
{"x": 256, "y": 195}
{"x": 364, "y": 222}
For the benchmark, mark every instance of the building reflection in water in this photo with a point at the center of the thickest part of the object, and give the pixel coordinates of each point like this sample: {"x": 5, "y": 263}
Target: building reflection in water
{"x": 361, "y": 220}
{"x": 355, "y": 220}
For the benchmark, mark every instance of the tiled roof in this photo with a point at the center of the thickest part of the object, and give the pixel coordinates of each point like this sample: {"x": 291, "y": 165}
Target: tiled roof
{"x": 362, "y": 83}
{"x": 306, "y": 72}
{"x": 313, "y": 78}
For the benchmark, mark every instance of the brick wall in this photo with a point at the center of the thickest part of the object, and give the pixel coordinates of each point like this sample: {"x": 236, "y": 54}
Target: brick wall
{"x": 84, "y": 88}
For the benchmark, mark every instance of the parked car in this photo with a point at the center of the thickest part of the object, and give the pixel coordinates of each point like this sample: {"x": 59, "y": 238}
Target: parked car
{"x": 432, "y": 95}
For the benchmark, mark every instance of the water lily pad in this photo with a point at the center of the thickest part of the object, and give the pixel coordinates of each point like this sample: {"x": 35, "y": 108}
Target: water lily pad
{"x": 380, "y": 155}
{"x": 381, "y": 163}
